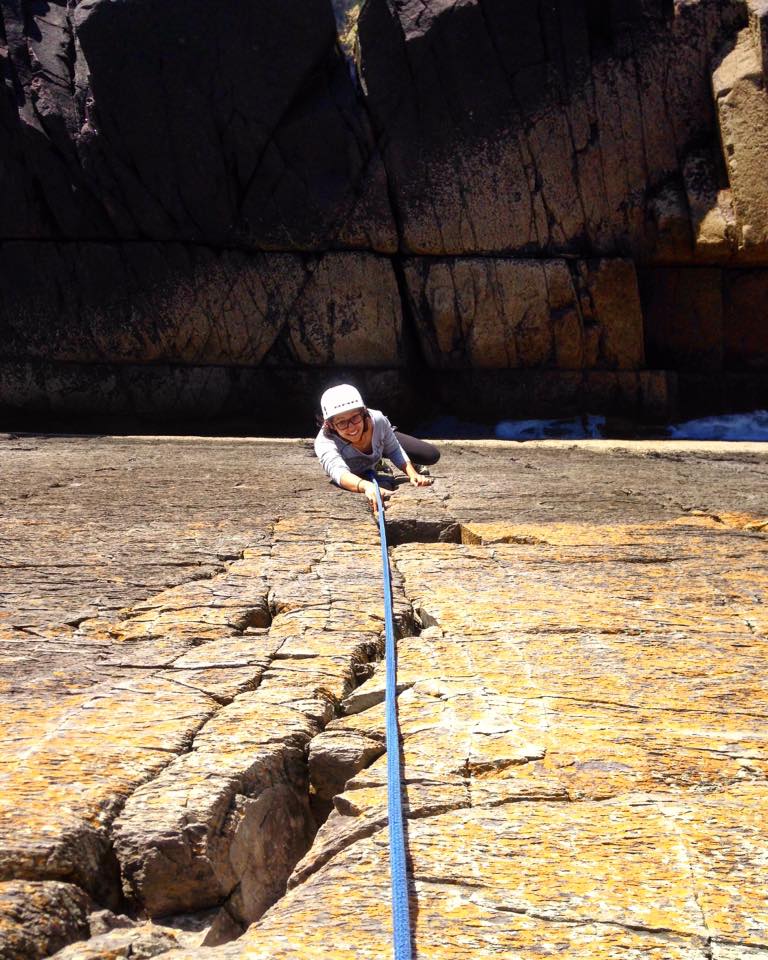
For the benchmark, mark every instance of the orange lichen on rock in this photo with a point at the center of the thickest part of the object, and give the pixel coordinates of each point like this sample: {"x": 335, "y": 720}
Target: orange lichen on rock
{"x": 581, "y": 725}
{"x": 581, "y": 708}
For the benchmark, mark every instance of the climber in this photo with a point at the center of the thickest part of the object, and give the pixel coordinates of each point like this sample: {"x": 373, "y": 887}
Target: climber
{"x": 353, "y": 439}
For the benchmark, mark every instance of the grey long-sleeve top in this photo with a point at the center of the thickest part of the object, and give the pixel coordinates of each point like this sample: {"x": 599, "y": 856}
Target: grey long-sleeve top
{"x": 336, "y": 455}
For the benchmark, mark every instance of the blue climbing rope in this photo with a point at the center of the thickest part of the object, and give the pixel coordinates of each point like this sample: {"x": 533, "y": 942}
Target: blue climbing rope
{"x": 401, "y": 920}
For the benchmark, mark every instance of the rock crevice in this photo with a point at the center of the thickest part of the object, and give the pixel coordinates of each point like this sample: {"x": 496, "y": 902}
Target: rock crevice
{"x": 579, "y": 679}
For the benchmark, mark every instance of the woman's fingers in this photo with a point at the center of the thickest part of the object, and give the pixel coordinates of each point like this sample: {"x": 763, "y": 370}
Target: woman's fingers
{"x": 371, "y": 498}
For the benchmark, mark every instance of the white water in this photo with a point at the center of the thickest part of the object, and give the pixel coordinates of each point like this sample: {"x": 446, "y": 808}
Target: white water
{"x": 735, "y": 426}
{"x": 575, "y": 428}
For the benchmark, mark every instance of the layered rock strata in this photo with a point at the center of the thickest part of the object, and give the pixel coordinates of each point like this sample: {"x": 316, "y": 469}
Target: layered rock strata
{"x": 190, "y": 690}
{"x": 245, "y": 189}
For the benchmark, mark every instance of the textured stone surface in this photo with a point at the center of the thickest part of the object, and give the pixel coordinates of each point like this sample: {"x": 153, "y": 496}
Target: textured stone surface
{"x": 37, "y": 918}
{"x": 138, "y": 943}
{"x": 204, "y": 395}
{"x": 508, "y": 129}
{"x": 244, "y": 125}
{"x": 197, "y": 202}
{"x": 684, "y": 323}
{"x": 231, "y": 818}
{"x": 169, "y": 303}
{"x": 237, "y": 124}
{"x": 705, "y": 320}
{"x": 742, "y": 105}
{"x": 187, "y": 393}
{"x": 189, "y": 640}
{"x": 527, "y": 313}
{"x": 746, "y": 333}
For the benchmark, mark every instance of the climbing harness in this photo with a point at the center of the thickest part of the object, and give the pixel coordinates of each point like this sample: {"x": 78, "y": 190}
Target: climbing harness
{"x": 401, "y": 920}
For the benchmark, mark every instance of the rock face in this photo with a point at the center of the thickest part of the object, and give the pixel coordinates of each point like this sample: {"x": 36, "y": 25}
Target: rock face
{"x": 36, "y": 918}
{"x": 248, "y": 195}
{"x": 210, "y": 140}
{"x": 527, "y": 314}
{"x": 192, "y": 736}
{"x": 176, "y": 304}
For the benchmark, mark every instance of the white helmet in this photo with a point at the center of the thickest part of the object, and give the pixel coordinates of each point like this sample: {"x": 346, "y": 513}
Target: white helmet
{"x": 339, "y": 399}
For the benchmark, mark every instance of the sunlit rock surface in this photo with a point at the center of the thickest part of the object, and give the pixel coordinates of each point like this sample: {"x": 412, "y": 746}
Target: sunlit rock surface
{"x": 193, "y": 718}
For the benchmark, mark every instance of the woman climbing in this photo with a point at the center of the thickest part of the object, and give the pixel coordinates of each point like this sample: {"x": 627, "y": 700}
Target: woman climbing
{"x": 353, "y": 439}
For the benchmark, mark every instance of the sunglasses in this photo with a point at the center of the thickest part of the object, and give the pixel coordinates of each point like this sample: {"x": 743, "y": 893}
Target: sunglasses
{"x": 348, "y": 422}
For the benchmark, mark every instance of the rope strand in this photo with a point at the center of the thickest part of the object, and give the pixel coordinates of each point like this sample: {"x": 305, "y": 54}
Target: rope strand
{"x": 401, "y": 919}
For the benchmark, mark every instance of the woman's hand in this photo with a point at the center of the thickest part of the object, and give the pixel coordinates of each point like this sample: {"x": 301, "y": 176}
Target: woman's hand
{"x": 369, "y": 490}
{"x": 416, "y": 478}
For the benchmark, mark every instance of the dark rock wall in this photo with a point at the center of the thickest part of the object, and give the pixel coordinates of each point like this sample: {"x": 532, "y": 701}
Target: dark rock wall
{"x": 543, "y": 206}
{"x": 231, "y": 123}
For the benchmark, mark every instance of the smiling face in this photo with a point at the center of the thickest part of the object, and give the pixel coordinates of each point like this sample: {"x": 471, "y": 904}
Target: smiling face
{"x": 350, "y": 425}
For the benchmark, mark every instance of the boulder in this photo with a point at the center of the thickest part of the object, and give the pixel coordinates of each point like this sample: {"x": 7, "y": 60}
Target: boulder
{"x": 742, "y": 112}
{"x": 135, "y": 943}
{"x": 37, "y": 918}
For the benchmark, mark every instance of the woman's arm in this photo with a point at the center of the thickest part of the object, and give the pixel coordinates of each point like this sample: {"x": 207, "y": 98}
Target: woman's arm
{"x": 394, "y": 451}
{"x": 331, "y": 460}
{"x": 353, "y": 483}
{"x": 415, "y": 477}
